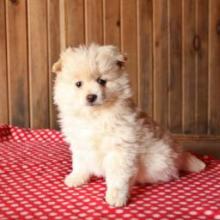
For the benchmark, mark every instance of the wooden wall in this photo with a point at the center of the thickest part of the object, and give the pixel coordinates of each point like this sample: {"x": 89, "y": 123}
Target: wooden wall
{"x": 173, "y": 49}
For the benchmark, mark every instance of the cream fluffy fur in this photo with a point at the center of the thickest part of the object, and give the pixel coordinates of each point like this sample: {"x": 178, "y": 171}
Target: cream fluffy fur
{"x": 111, "y": 137}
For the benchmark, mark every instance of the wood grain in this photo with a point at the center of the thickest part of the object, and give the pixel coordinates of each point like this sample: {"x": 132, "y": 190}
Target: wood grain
{"x": 173, "y": 49}
{"x": 175, "y": 62}
{"x": 189, "y": 67}
{"x": 54, "y": 48}
{"x": 111, "y": 22}
{"x": 38, "y": 63}
{"x": 94, "y": 21}
{"x": 200, "y": 144}
{"x": 74, "y": 18}
{"x": 161, "y": 70}
{"x": 129, "y": 41}
{"x": 3, "y": 67}
{"x": 145, "y": 55}
{"x": 17, "y": 63}
{"x": 202, "y": 68}
{"x": 214, "y": 85}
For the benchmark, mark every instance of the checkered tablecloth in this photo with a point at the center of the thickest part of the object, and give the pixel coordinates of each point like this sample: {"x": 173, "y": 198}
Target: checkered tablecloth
{"x": 33, "y": 164}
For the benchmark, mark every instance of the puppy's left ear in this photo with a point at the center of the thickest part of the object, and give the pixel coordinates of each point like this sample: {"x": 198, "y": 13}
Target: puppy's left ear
{"x": 121, "y": 60}
{"x": 57, "y": 67}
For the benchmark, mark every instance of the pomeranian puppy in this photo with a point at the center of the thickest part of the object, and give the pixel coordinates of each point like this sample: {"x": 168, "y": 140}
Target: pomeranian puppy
{"x": 108, "y": 135}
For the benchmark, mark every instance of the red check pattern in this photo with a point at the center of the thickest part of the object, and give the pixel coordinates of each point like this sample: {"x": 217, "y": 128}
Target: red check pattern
{"x": 33, "y": 164}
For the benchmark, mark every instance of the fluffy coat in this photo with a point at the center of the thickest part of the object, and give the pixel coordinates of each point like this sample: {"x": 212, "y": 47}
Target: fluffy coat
{"x": 110, "y": 136}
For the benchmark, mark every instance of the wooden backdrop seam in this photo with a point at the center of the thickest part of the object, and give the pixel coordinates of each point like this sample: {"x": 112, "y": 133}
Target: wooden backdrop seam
{"x": 138, "y": 52}
{"x": 8, "y": 66}
{"x": 196, "y": 67}
{"x": 4, "y": 108}
{"x": 48, "y": 67}
{"x": 28, "y": 66}
{"x": 182, "y": 60}
{"x": 209, "y": 64}
{"x": 169, "y": 68}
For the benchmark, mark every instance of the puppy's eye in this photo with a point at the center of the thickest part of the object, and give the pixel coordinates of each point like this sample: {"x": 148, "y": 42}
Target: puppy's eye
{"x": 79, "y": 84}
{"x": 102, "y": 82}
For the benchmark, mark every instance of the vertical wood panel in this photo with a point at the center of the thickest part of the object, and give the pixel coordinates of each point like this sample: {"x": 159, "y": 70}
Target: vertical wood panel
{"x": 145, "y": 55}
{"x": 38, "y": 63}
{"x": 63, "y": 28}
{"x": 17, "y": 63}
{"x": 214, "y": 66}
{"x": 3, "y": 67}
{"x": 202, "y": 68}
{"x": 94, "y": 21}
{"x": 75, "y": 30}
{"x": 189, "y": 68}
{"x": 175, "y": 78}
{"x": 112, "y": 22}
{"x": 129, "y": 40}
{"x": 161, "y": 61}
{"x": 54, "y": 46}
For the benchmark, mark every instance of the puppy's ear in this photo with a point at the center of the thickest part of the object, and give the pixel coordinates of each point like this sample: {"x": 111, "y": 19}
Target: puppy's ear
{"x": 57, "y": 67}
{"x": 122, "y": 58}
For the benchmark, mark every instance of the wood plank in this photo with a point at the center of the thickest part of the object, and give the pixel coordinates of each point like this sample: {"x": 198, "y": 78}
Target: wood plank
{"x": 129, "y": 41}
{"x": 161, "y": 69}
{"x": 54, "y": 47}
{"x": 145, "y": 55}
{"x": 94, "y": 21}
{"x": 3, "y": 67}
{"x": 63, "y": 28}
{"x": 197, "y": 137}
{"x": 175, "y": 62}
{"x": 200, "y": 144}
{"x": 189, "y": 67}
{"x": 74, "y": 13}
{"x": 112, "y": 22}
{"x": 38, "y": 63}
{"x": 17, "y": 63}
{"x": 202, "y": 68}
{"x": 214, "y": 65}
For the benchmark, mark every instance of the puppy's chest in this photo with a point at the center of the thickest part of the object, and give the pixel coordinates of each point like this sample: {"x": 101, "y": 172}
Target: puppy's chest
{"x": 95, "y": 141}
{"x": 94, "y": 136}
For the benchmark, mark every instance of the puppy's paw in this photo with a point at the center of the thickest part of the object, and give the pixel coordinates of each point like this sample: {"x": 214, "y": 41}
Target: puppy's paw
{"x": 116, "y": 197}
{"x": 72, "y": 180}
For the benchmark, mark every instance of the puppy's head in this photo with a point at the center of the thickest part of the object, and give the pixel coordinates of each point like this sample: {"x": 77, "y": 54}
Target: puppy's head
{"x": 90, "y": 77}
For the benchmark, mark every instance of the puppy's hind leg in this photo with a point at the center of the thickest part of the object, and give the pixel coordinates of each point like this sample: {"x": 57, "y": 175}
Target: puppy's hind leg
{"x": 159, "y": 164}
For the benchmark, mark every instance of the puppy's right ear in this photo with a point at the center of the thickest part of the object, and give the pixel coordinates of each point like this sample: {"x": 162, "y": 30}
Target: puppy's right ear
{"x": 57, "y": 67}
{"x": 121, "y": 60}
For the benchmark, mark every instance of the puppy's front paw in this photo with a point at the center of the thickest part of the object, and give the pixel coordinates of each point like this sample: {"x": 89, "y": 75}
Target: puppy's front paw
{"x": 116, "y": 197}
{"x": 73, "y": 180}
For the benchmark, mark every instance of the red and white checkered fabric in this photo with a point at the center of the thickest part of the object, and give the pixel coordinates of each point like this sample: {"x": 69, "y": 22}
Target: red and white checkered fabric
{"x": 33, "y": 164}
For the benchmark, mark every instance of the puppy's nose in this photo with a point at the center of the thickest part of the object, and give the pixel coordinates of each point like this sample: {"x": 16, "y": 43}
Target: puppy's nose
{"x": 91, "y": 98}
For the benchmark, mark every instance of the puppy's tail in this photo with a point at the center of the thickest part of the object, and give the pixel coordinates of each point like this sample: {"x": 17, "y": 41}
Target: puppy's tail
{"x": 191, "y": 163}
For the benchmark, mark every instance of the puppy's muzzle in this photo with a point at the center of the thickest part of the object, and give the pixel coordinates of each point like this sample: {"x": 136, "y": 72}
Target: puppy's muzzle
{"x": 91, "y": 98}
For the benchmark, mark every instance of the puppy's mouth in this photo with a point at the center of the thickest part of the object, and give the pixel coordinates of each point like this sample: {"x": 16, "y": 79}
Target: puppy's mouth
{"x": 93, "y": 104}
{"x": 90, "y": 104}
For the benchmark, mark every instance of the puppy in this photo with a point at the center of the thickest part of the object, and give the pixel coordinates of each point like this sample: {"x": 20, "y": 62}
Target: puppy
{"x": 108, "y": 135}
